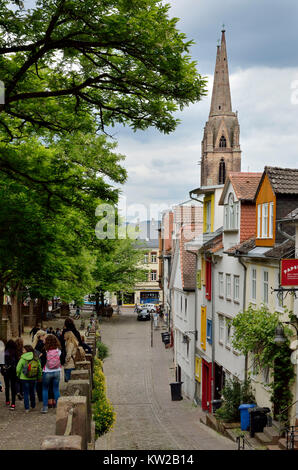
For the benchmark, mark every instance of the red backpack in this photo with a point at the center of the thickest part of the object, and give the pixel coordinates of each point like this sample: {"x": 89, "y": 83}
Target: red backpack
{"x": 53, "y": 359}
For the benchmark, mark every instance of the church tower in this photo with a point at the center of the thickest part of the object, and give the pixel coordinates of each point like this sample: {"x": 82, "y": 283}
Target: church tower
{"x": 221, "y": 152}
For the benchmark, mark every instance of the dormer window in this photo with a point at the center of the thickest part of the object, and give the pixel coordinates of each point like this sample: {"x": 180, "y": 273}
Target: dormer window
{"x": 222, "y": 172}
{"x": 222, "y": 142}
{"x": 265, "y": 220}
{"x": 231, "y": 220}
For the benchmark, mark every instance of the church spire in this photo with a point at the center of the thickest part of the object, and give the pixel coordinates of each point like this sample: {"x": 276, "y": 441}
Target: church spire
{"x": 221, "y": 95}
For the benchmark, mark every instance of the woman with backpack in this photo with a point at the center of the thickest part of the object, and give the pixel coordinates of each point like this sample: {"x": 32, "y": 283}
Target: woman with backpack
{"x": 29, "y": 371}
{"x": 8, "y": 370}
{"x": 20, "y": 346}
{"x": 68, "y": 326}
{"x": 38, "y": 346}
{"x": 51, "y": 371}
{"x": 71, "y": 346}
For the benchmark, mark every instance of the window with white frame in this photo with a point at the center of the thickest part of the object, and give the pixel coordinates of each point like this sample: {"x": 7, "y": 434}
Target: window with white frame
{"x": 271, "y": 219}
{"x": 220, "y": 284}
{"x": 265, "y": 220}
{"x": 228, "y": 286}
{"x": 146, "y": 257}
{"x": 265, "y": 286}
{"x": 231, "y": 214}
{"x": 153, "y": 257}
{"x": 221, "y": 332}
{"x": 153, "y": 275}
{"x": 253, "y": 284}
{"x": 236, "y": 289}
{"x": 266, "y": 375}
{"x": 228, "y": 332}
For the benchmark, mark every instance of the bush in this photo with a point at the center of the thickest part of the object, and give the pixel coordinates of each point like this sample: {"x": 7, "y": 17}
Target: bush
{"x": 234, "y": 394}
{"x": 102, "y": 350}
{"x": 103, "y": 412}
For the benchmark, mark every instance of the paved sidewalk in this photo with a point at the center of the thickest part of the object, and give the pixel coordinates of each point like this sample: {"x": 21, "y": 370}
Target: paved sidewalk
{"x": 26, "y": 431}
{"x": 138, "y": 379}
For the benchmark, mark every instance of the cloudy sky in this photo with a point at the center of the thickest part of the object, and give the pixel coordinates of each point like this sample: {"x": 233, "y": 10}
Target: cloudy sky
{"x": 262, "y": 42}
{"x": 262, "y": 53}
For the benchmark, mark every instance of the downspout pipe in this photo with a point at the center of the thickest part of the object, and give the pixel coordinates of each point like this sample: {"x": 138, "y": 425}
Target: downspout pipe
{"x": 243, "y": 308}
{"x": 213, "y": 328}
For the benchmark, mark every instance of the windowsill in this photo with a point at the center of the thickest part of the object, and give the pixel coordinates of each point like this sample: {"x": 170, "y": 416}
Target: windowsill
{"x": 236, "y": 302}
{"x": 228, "y": 347}
{"x": 264, "y": 238}
{"x": 221, "y": 296}
{"x": 231, "y": 230}
{"x": 254, "y": 302}
{"x": 280, "y": 309}
{"x": 220, "y": 342}
{"x": 236, "y": 353}
{"x": 228, "y": 299}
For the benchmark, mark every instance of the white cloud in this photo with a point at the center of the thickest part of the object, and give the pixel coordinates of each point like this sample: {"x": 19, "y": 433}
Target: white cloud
{"x": 164, "y": 168}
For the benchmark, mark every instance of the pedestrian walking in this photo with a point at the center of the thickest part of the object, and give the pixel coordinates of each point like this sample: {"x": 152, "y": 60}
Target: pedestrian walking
{"x": 86, "y": 347}
{"x": 8, "y": 370}
{"x": 34, "y": 330}
{"x": 38, "y": 341}
{"x": 19, "y": 387}
{"x": 58, "y": 333}
{"x": 71, "y": 346}
{"x": 39, "y": 348}
{"x": 155, "y": 319}
{"x": 68, "y": 326}
{"x": 29, "y": 371}
{"x": 51, "y": 371}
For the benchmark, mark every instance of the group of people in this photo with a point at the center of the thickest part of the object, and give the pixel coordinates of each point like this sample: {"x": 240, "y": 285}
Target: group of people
{"x": 36, "y": 369}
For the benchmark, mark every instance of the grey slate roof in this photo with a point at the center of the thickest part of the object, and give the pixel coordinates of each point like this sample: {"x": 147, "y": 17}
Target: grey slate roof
{"x": 283, "y": 180}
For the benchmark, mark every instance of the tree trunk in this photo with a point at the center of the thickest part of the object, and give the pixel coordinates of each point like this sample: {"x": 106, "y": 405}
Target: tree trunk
{"x": 1, "y": 301}
{"x": 32, "y": 321}
{"x": 14, "y": 314}
{"x": 97, "y": 302}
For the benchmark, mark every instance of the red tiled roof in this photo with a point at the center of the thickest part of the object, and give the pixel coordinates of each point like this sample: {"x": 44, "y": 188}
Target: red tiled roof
{"x": 245, "y": 185}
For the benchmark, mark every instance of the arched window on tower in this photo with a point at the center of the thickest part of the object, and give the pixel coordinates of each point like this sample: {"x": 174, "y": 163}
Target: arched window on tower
{"x": 223, "y": 142}
{"x": 222, "y": 172}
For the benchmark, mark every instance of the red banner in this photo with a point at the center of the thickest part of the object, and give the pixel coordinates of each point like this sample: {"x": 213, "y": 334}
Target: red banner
{"x": 289, "y": 272}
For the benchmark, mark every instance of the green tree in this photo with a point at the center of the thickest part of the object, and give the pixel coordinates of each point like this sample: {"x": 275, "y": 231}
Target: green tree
{"x": 118, "y": 266}
{"x": 254, "y": 332}
{"x": 116, "y": 61}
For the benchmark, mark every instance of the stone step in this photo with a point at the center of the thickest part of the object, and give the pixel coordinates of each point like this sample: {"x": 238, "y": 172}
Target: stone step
{"x": 272, "y": 433}
{"x": 263, "y": 438}
{"x": 283, "y": 444}
{"x": 273, "y": 447}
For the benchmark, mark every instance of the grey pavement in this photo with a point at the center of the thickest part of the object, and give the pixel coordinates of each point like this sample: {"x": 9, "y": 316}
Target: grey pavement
{"x": 26, "y": 431}
{"x": 138, "y": 378}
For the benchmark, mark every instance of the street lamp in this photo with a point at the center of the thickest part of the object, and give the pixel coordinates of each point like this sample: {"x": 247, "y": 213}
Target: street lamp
{"x": 280, "y": 338}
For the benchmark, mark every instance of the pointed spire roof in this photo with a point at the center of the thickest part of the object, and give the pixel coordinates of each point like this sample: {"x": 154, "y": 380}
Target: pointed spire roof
{"x": 221, "y": 95}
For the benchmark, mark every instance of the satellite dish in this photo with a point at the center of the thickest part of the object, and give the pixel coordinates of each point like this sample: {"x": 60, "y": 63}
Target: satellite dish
{"x": 294, "y": 345}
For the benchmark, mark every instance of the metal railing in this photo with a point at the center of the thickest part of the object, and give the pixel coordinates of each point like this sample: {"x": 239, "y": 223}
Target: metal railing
{"x": 241, "y": 441}
{"x": 291, "y": 434}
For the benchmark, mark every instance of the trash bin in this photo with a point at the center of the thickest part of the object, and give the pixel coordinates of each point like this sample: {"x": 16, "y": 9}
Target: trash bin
{"x": 244, "y": 415}
{"x": 176, "y": 391}
{"x": 258, "y": 420}
{"x": 216, "y": 404}
{"x": 166, "y": 338}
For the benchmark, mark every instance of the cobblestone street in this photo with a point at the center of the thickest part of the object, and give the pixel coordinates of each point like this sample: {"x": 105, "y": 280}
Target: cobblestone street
{"x": 138, "y": 379}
